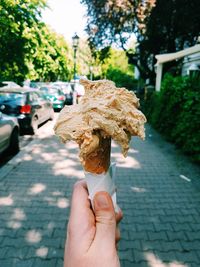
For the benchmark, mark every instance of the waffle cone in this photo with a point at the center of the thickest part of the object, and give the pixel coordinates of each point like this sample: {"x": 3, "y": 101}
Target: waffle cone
{"x": 98, "y": 161}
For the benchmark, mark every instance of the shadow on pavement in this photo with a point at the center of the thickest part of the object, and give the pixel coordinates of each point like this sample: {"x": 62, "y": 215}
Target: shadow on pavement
{"x": 161, "y": 224}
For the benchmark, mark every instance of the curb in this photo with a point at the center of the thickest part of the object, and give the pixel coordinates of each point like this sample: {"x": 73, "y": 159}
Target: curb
{"x": 16, "y": 160}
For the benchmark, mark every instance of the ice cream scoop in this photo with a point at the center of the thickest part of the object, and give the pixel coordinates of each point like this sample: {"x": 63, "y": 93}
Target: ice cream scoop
{"x": 105, "y": 112}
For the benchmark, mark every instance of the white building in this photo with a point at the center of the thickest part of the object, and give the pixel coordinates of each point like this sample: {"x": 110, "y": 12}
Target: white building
{"x": 191, "y": 61}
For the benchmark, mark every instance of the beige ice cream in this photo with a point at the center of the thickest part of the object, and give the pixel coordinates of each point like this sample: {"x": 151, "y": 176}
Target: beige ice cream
{"x": 105, "y": 112}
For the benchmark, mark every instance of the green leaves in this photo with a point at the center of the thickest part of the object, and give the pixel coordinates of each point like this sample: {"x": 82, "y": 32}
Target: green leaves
{"x": 28, "y": 48}
{"x": 175, "y": 112}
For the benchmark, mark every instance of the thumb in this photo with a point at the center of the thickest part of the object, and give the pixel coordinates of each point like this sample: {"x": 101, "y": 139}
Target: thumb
{"x": 105, "y": 219}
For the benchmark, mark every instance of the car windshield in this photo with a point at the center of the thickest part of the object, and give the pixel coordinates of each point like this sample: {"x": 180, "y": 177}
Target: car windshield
{"x": 11, "y": 97}
{"x": 51, "y": 91}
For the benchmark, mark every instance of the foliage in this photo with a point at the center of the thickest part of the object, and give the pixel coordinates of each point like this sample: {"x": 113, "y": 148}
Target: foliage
{"x": 175, "y": 112}
{"x": 172, "y": 26}
{"x": 47, "y": 58}
{"x": 160, "y": 27}
{"x": 115, "y": 67}
{"x": 28, "y": 48}
{"x": 110, "y": 21}
{"x": 121, "y": 79}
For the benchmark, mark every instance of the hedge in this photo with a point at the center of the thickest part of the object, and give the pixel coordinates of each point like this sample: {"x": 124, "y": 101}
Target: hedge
{"x": 175, "y": 112}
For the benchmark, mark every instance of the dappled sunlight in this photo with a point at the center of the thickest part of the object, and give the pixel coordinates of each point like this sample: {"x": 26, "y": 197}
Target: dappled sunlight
{"x": 65, "y": 163}
{"x": 50, "y": 226}
{"x": 154, "y": 261}
{"x": 37, "y": 150}
{"x": 33, "y": 236}
{"x": 128, "y": 162}
{"x": 114, "y": 144}
{"x": 18, "y": 214}
{"x": 42, "y": 252}
{"x": 57, "y": 193}
{"x": 27, "y": 157}
{"x": 71, "y": 145}
{"x": 138, "y": 189}
{"x": 36, "y": 189}
{"x": 14, "y": 224}
{"x": 49, "y": 156}
{"x": 61, "y": 203}
{"x": 134, "y": 151}
{"x": 6, "y": 201}
{"x": 69, "y": 172}
{"x": 16, "y": 218}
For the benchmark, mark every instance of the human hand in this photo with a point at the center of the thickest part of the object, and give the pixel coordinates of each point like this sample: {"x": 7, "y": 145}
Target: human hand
{"x": 92, "y": 236}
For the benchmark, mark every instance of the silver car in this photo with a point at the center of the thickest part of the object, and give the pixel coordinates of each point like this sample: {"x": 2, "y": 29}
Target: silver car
{"x": 9, "y": 134}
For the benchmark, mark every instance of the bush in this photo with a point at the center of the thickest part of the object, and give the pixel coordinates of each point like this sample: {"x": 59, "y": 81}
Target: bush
{"x": 175, "y": 112}
{"x": 121, "y": 79}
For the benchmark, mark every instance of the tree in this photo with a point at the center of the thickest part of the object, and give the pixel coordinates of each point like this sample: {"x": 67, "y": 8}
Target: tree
{"x": 15, "y": 17}
{"x": 114, "y": 21}
{"x": 166, "y": 26}
{"x": 28, "y": 48}
{"x": 47, "y": 57}
{"x": 172, "y": 26}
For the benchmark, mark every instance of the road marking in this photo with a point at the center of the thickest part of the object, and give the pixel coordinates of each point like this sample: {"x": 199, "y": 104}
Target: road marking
{"x": 185, "y": 178}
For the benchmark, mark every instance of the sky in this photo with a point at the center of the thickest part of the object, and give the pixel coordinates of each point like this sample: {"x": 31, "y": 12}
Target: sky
{"x": 66, "y": 17}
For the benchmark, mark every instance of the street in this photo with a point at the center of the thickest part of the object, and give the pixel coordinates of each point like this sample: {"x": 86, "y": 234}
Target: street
{"x": 157, "y": 189}
{"x": 24, "y": 140}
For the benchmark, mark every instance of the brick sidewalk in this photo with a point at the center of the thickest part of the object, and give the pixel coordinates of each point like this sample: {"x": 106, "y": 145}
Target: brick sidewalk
{"x": 158, "y": 191}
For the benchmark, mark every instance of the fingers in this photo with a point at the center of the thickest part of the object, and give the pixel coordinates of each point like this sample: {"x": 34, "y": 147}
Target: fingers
{"x": 117, "y": 235}
{"x": 105, "y": 220}
{"x": 119, "y": 216}
{"x": 81, "y": 216}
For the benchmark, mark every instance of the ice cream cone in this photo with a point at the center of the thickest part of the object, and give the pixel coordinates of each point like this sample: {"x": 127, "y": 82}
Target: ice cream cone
{"x": 98, "y": 161}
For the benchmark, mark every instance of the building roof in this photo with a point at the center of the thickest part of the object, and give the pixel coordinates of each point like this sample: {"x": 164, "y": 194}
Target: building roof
{"x": 173, "y": 56}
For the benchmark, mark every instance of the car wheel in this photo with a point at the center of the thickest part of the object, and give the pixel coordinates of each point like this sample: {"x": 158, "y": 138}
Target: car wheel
{"x": 14, "y": 142}
{"x": 34, "y": 125}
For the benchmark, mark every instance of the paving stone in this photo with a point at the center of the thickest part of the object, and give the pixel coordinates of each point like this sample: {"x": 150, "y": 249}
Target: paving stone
{"x": 45, "y": 263}
{"x": 3, "y": 252}
{"x": 127, "y": 263}
{"x": 130, "y": 244}
{"x": 162, "y": 227}
{"x": 191, "y": 246}
{"x": 126, "y": 255}
{"x": 145, "y": 227}
{"x": 139, "y": 256}
{"x": 17, "y": 252}
{"x": 24, "y": 263}
{"x": 161, "y": 211}
{"x": 189, "y": 257}
{"x": 7, "y": 263}
{"x": 59, "y": 263}
{"x": 157, "y": 235}
{"x": 142, "y": 235}
{"x": 167, "y": 256}
{"x": 181, "y": 235}
{"x": 181, "y": 227}
{"x": 192, "y": 236}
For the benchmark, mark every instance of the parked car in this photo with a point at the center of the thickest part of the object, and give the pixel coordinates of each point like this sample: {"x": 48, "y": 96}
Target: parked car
{"x": 29, "y": 106}
{"x": 9, "y": 134}
{"x": 79, "y": 91}
{"x": 9, "y": 84}
{"x": 66, "y": 88}
{"x": 55, "y": 95}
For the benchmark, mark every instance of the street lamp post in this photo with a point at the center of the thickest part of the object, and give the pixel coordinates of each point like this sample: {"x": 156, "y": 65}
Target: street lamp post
{"x": 75, "y": 42}
{"x": 91, "y": 69}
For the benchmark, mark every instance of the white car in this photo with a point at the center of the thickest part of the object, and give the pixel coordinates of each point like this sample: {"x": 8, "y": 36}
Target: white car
{"x": 79, "y": 91}
{"x": 10, "y": 84}
{"x": 9, "y": 134}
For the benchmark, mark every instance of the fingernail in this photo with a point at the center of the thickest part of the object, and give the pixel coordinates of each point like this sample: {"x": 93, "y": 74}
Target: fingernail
{"x": 101, "y": 201}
